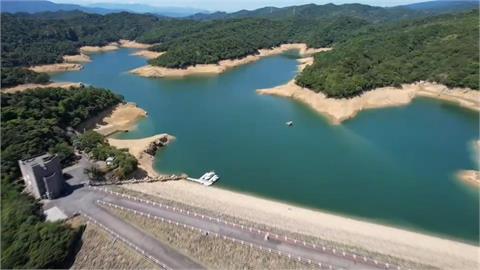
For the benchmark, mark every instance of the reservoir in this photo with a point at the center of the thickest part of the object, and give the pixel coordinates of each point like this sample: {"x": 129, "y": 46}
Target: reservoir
{"x": 393, "y": 166}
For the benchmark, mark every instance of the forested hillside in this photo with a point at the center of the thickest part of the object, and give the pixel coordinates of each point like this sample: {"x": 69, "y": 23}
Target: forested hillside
{"x": 44, "y": 38}
{"x": 209, "y": 42}
{"x": 33, "y": 39}
{"x": 444, "y": 49}
{"x": 34, "y": 122}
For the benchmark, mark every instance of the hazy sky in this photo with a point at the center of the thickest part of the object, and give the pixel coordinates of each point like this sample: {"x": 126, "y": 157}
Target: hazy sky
{"x": 233, "y": 5}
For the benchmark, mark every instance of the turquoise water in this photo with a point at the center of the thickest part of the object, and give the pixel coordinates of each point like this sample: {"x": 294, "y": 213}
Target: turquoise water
{"x": 394, "y": 166}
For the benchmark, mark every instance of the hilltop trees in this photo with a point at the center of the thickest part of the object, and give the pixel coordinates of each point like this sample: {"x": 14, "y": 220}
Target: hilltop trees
{"x": 34, "y": 122}
{"x": 443, "y": 50}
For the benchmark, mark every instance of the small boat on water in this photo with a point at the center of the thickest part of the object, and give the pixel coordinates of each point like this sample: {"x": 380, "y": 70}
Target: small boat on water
{"x": 289, "y": 123}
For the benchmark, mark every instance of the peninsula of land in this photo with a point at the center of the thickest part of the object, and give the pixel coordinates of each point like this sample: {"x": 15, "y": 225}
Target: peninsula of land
{"x": 222, "y": 66}
{"x": 139, "y": 149}
{"x": 122, "y": 118}
{"x": 339, "y": 110}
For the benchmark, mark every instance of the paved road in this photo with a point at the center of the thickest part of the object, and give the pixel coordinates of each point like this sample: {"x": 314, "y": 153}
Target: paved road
{"x": 82, "y": 199}
{"x": 241, "y": 234}
{"x": 86, "y": 200}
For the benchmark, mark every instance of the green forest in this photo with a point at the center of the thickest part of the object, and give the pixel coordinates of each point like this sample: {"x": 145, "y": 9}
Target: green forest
{"x": 15, "y": 76}
{"x": 213, "y": 41}
{"x": 444, "y": 49}
{"x": 33, "y": 122}
{"x": 373, "y": 47}
{"x": 34, "y": 39}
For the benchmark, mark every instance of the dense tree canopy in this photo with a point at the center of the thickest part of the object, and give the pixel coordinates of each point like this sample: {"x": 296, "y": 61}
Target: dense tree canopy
{"x": 43, "y": 39}
{"x": 99, "y": 149}
{"x": 15, "y": 76}
{"x": 443, "y": 49}
{"x": 213, "y": 41}
{"x": 34, "y": 122}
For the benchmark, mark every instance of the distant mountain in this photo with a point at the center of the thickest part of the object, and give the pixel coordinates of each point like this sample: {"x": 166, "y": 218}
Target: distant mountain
{"x": 33, "y": 6}
{"x": 366, "y": 12}
{"x": 140, "y": 8}
{"x": 444, "y": 6}
{"x": 360, "y": 11}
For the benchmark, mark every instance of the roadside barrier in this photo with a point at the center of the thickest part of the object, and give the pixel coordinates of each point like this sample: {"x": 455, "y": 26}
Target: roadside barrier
{"x": 322, "y": 265}
{"x": 130, "y": 244}
{"x": 147, "y": 179}
{"x": 318, "y": 247}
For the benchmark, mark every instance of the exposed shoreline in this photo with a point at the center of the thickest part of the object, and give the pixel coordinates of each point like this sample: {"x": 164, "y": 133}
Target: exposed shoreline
{"x": 78, "y": 58}
{"x": 339, "y": 110}
{"x": 148, "y": 54}
{"x": 132, "y": 44}
{"x": 379, "y": 238}
{"x": 121, "y": 118}
{"x": 472, "y": 177}
{"x": 24, "y": 87}
{"x": 137, "y": 148}
{"x": 222, "y": 66}
{"x": 409, "y": 245}
{"x": 96, "y": 49}
{"x": 53, "y": 68}
{"x": 74, "y": 62}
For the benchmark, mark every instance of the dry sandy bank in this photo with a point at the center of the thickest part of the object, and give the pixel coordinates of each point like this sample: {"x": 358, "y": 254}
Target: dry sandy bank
{"x": 78, "y": 58}
{"x": 95, "y": 49}
{"x": 471, "y": 177}
{"x": 133, "y": 44}
{"x": 222, "y": 66}
{"x": 338, "y": 110}
{"x": 123, "y": 117}
{"x": 148, "y": 54}
{"x": 60, "y": 67}
{"x": 409, "y": 245}
{"x": 136, "y": 147}
{"x": 23, "y": 87}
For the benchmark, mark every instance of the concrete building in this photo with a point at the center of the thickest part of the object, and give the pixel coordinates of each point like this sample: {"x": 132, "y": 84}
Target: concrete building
{"x": 43, "y": 176}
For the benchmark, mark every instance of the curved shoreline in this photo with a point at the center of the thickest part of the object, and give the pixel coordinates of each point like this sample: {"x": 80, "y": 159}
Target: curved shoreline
{"x": 339, "y": 110}
{"x": 132, "y": 44}
{"x": 137, "y": 148}
{"x": 77, "y": 58}
{"x": 148, "y": 54}
{"x": 96, "y": 49}
{"x": 396, "y": 242}
{"x": 224, "y": 65}
{"x": 123, "y": 117}
{"x": 74, "y": 62}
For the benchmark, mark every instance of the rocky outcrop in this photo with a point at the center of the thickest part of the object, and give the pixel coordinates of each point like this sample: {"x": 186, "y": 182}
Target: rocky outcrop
{"x": 155, "y": 145}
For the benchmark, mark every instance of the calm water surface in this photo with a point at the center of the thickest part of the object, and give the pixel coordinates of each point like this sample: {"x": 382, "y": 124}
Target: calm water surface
{"x": 394, "y": 166}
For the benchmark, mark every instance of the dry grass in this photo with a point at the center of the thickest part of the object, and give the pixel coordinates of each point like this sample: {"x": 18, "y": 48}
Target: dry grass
{"x": 212, "y": 252}
{"x": 99, "y": 250}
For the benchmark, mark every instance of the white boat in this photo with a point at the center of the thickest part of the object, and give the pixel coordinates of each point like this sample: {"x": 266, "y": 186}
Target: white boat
{"x": 206, "y": 179}
{"x": 207, "y": 176}
{"x": 289, "y": 123}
